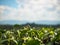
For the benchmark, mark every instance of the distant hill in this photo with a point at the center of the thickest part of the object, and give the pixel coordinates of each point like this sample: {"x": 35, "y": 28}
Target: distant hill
{"x": 12, "y": 22}
{"x": 48, "y": 22}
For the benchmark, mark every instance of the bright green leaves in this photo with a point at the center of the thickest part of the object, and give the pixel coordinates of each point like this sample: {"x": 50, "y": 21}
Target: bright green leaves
{"x": 33, "y": 42}
{"x": 30, "y": 36}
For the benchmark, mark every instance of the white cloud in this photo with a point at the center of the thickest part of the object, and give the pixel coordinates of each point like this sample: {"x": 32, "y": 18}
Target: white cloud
{"x": 7, "y": 13}
{"x": 40, "y": 9}
{"x": 32, "y": 10}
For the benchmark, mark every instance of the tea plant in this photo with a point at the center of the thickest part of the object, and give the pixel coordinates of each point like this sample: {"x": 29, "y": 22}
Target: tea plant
{"x": 30, "y": 36}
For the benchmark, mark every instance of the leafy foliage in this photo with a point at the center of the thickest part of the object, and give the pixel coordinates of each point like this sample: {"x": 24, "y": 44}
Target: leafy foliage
{"x": 30, "y": 36}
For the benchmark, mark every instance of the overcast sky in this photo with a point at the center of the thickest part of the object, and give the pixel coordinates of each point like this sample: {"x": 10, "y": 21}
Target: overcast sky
{"x": 30, "y": 10}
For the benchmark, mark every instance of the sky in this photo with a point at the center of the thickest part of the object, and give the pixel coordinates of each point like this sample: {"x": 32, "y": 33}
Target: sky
{"x": 30, "y": 10}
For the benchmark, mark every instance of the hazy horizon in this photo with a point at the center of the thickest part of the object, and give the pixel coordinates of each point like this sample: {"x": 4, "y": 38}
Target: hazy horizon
{"x": 47, "y": 22}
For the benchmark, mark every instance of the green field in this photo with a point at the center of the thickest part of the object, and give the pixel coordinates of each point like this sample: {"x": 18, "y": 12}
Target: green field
{"x": 30, "y": 36}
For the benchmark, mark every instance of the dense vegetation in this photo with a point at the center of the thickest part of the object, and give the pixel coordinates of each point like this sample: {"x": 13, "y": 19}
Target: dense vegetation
{"x": 28, "y": 35}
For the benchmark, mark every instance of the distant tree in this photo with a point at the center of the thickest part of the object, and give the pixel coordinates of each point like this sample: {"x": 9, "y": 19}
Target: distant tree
{"x": 16, "y": 26}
